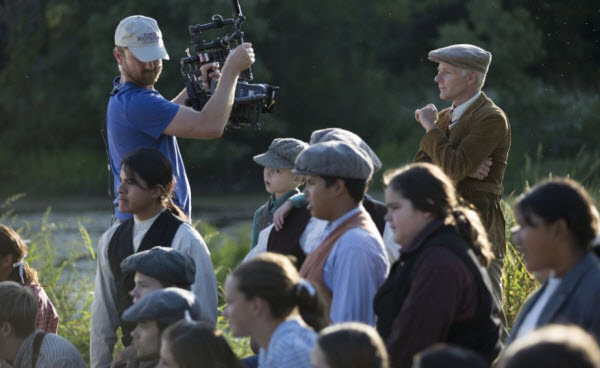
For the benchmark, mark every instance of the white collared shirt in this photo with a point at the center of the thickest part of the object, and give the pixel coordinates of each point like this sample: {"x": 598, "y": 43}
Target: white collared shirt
{"x": 457, "y": 112}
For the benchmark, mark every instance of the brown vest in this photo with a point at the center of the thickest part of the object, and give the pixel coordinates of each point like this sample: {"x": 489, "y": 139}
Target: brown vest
{"x": 312, "y": 269}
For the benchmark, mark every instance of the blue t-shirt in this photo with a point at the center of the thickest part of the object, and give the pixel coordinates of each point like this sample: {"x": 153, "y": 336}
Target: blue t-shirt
{"x": 136, "y": 118}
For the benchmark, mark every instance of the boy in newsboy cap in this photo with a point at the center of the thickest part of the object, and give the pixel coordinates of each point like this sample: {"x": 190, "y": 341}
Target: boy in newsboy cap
{"x": 279, "y": 180}
{"x": 155, "y": 312}
{"x": 470, "y": 141}
{"x": 155, "y": 269}
{"x": 376, "y": 209}
{"x": 349, "y": 264}
{"x": 158, "y": 268}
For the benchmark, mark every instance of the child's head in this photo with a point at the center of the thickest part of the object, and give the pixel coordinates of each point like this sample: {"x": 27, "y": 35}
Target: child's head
{"x": 337, "y": 176}
{"x": 278, "y": 162}
{"x": 13, "y": 251}
{"x": 146, "y": 180}
{"x": 349, "y": 345}
{"x": 185, "y": 343}
{"x": 268, "y": 287}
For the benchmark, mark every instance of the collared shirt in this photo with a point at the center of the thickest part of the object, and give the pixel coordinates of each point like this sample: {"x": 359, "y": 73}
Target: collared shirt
{"x": 354, "y": 271}
{"x": 392, "y": 248}
{"x": 273, "y": 204}
{"x": 457, "y": 112}
{"x": 105, "y": 317}
{"x": 290, "y": 346}
{"x": 55, "y": 352}
{"x": 530, "y": 321}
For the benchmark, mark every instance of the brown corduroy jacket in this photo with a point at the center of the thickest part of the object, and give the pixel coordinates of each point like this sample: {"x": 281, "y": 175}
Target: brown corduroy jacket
{"x": 482, "y": 131}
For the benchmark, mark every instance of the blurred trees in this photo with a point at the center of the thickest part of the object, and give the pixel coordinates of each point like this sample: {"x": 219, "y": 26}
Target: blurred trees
{"x": 349, "y": 63}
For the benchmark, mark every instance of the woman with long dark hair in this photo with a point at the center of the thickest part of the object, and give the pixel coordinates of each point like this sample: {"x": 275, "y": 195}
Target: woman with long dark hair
{"x": 14, "y": 267}
{"x": 145, "y": 191}
{"x": 268, "y": 301}
{"x": 556, "y": 224}
{"x": 438, "y": 290}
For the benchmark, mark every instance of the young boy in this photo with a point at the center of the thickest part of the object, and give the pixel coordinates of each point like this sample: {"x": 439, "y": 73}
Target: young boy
{"x": 153, "y": 314}
{"x": 281, "y": 184}
{"x": 376, "y": 209}
{"x": 349, "y": 265}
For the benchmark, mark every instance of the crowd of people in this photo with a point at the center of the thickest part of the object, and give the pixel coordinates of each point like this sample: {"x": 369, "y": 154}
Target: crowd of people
{"x": 333, "y": 278}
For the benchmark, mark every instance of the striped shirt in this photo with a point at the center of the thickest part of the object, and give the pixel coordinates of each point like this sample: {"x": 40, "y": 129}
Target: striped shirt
{"x": 55, "y": 352}
{"x": 290, "y": 346}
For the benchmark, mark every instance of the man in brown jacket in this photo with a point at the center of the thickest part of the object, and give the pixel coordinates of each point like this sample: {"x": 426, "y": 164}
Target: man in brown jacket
{"x": 469, "y": 140}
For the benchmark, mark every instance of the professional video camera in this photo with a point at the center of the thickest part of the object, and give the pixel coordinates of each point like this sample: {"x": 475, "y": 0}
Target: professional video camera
{"x": 251, "y": 99}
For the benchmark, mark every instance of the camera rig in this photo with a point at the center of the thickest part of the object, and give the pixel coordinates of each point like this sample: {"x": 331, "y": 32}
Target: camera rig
{"x": 251, "y": 99}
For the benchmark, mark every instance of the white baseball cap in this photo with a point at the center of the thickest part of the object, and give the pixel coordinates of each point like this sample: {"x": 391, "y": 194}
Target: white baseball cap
{"x": 142, "y": 37}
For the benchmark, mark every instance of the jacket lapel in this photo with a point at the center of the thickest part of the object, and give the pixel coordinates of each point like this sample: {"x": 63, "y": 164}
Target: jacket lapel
{"x": 566, "y": 287}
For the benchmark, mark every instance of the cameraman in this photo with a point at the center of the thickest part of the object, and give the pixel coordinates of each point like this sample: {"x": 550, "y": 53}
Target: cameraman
{"x": 138, "y": 116}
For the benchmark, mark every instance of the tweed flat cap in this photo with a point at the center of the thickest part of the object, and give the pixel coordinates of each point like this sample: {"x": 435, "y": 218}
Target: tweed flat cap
{"x": 281, "y": 153}
{"x": 343, "y": 135}
{"x": 464, "y": 56}
{"x": 167, "y": 265}
{"x": 165, "y": 306}
{"x": 334, "y": 158}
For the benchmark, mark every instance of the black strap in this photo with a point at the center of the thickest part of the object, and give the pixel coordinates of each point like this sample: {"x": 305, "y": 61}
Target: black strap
{"x": 37, "y": 344}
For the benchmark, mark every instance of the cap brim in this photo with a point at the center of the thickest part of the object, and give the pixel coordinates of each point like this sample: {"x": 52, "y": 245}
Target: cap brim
{"x": 150, "y": 53}
{"x": 273, "y": 161}
{"x": 303, "y": 172}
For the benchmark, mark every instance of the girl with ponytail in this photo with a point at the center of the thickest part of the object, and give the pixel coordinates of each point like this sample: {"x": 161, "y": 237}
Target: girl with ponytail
{"x": 438, "y": 291}
{"x": 145, "y": 191}
{"x": 13, "y": 267}
{"x": 268, "y": 301}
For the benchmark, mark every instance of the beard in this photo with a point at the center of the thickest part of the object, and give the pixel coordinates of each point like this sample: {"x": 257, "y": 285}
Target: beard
{"x": 145, "y": 78}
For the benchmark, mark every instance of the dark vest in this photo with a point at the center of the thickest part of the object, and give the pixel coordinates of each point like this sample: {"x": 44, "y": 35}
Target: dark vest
{"x": 120, "y": 247}
{"x": 377, "y": 210}
{"x": 287, "y": 240}
{"x": 481, "y": 333}
{"x": 264, "y": 217}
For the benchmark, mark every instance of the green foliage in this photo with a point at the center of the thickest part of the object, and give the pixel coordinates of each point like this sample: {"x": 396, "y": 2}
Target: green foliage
{"x": 226, "y": 250}
{"x": 68, "y": 287}
{"x": 354, "y": 64}
{"x": 516, "y": 280}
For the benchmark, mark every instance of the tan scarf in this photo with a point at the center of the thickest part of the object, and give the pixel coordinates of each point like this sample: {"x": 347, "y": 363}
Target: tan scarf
{"x": 312, "y": 269}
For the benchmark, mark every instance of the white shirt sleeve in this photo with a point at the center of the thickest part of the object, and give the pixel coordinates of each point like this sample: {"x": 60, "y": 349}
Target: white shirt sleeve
{"x": 261, "y": 244}
{"x": 105, "y": 318}
{"x": 189, "y": 241}
{"x": 354, "y": 271}
{"x": 312, "y": 235}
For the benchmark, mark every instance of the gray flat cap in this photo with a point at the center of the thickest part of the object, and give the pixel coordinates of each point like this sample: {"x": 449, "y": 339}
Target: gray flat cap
{"x": 338, "y": 134}
{"x": 464, "y": 56}
{"x": 165, "y": 306}
{"x": 334, "y": 158}
{"x": 281, "y": 153}
{"x": 167, "y": 265}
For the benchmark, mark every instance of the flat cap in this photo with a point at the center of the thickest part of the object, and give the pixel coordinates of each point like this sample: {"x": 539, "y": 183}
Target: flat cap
{"x": 464, "y": 56}
{"x": 343, "y": 135}
{"x": 334, "y": 158}
{"x": 165, "y": 306}
{"x": 281, "y": 153}
{"x": 167, "y": 265}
